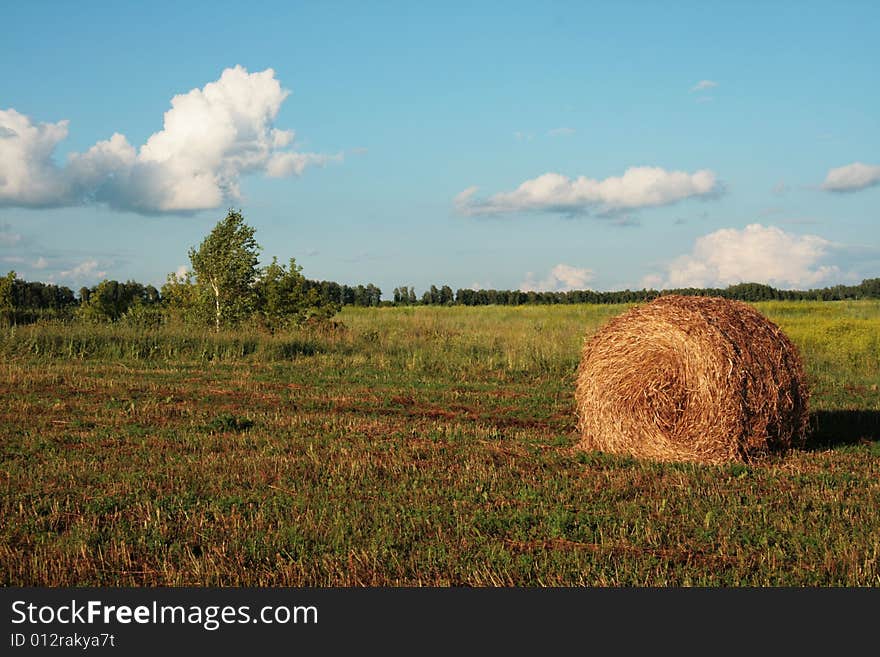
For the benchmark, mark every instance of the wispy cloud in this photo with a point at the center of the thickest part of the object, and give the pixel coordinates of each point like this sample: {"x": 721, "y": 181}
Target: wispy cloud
{"x": 702, "y": 85}
{"x": 852, "y": 177}
{"x": 561, "y": 132}
{"x": 86, "y": 272}
{"x": 84, "y": 268}
{"x": 211, "y": 137}
{"x": 638, "y": 187}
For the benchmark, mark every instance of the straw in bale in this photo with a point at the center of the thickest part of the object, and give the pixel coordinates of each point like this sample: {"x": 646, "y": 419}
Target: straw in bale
{"x": 701, "y": 379}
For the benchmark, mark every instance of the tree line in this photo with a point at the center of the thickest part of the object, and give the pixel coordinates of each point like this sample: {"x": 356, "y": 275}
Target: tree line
{"x": 867, "y": 289}
{"x": 225, "y": 287}
{"x": 110, "y": 300}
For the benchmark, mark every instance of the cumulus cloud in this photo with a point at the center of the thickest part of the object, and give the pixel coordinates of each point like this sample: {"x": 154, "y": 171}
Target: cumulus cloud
{"x": 638, "y": 187}
{"x": 560, "y": 279}
{"x": 755, "y": 254}
{"x": 86, "y": 271}
{"x": 210, "y": 138}
{"x": 852, "y": 177}
{"x": 28, "y": 175}
{"x": 702, "y": 85}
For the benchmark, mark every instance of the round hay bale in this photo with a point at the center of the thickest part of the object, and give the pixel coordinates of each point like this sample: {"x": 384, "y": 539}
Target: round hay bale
{"x": 701, "y": 379}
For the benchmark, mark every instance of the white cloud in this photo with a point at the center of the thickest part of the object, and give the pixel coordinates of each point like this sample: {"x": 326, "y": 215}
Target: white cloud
{"x": 560, "y": 279}
{"x": 87, "y": 172}
{"x": 852, "y": 177}
{"x": 181, "y": 272}
{"x": 561, "y": 132}
{"x": 638, "y": 187}
{"x": 28, "y": 175}
{"x": 462, "y": 200}
{"x": 702, "y": 85}
{"x": 755, "y": 254}
{"x": 284, "y": 164}
{"x": 210, "y": 138}
{"x": 41, "y": 263}
{"x": 84, "y": 271}
{"x": 652, "y": 282}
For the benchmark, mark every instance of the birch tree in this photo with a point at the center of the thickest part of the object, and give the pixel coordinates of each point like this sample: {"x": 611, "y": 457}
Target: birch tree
{"x": 226, "y": 265}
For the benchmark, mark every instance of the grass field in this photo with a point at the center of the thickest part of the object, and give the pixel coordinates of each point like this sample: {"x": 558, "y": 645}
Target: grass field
{"x": 409, "y": 446}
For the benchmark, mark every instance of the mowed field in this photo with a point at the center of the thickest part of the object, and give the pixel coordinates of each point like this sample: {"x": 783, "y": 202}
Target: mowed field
{"x": 409, "y": 446}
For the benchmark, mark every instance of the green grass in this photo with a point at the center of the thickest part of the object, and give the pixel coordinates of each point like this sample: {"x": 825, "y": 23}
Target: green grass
{"x": 411, "y": 446}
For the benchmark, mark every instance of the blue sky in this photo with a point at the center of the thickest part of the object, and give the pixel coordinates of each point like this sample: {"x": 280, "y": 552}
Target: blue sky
{"x": 611, "y": 145}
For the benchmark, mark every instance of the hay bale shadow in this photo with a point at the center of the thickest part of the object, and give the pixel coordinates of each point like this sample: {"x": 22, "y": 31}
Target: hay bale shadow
{"x": 831, "y": 429}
